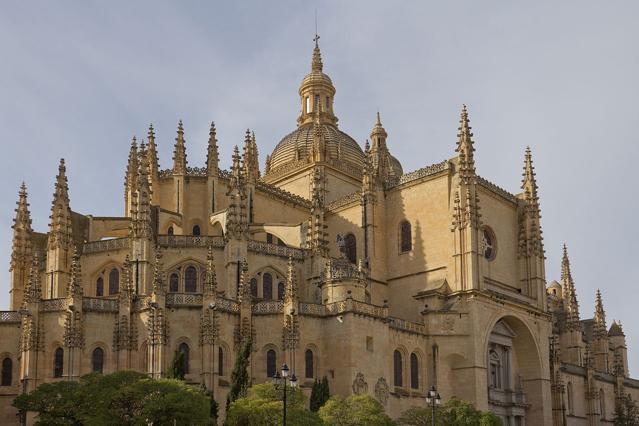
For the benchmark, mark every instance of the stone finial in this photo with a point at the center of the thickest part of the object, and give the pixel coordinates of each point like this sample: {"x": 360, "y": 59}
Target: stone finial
{"x": 571, "y": 305}
{"x": 60, "y": 227}
{"x": 599, "y": 329}
{"x": 316, "y": 63}
{"x": 132, "y": 165}
{"x": 290, "y": 295}
{"x": 33, "y": 290}
{"x": 22, "y": 231}
{"x": 179, "y": 152}
{"x": 465, "y": 149}
{"x": 74, "y": 288}
{"x": 250, "y": 161}
{"x": 158, "y": 273}
{"x": 210, "y": 278}
{"x": 152, "y": 154}
{"x": 212, "y": 153}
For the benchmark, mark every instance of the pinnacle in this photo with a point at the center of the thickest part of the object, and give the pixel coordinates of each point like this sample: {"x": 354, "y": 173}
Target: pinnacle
{"x": 316, "y": 64}
{"x": 151, "y": 133}
{"x": 379, "y": 121}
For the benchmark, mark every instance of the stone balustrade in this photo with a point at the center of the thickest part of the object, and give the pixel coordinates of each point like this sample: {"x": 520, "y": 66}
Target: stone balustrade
{"x": 267, "y": 307}
{"x": 106, "y": 245}
{"x": 179, "y": 241}
{"x": 275, "y": 250}
{"x": 10, "y": 317}
{"x": 409, "y": 326}
{"x": 340, "y": 269}
{"x": 227, "y": 305}
{"x": 98, "y": 304}
{"x": 184, "y": 300}
{"x": 55, "y": 305}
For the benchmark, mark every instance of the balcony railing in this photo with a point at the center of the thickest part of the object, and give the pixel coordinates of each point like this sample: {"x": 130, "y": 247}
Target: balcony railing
{"x": 97, "y": 304}
{"x": 54, "y": 305}
{"x": 275, "y": 250}
{"x": 106, "y": 245}
{"x": 268, "y": 307}
{"x": 184, "y": 299}
{"x": 10, "y": 316}
{"x": 174, "y": 241}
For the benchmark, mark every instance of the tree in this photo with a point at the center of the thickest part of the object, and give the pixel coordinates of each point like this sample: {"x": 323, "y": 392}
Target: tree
{"x": 356, "y": 410}
{"x": 319, "y": 394}
{"x": 626, "y": 412}
{"x": 240, "y": 380}
{"x": 455, "y": 412}
{"x": 262, "y": 406}
{"x": 125, "y": 398}
{"x": 176, "y": 370}
{"x": 56, "y": 403}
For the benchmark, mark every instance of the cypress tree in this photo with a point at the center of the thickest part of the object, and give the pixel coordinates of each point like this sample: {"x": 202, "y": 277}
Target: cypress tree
{"x": 325, "y": 391}
{"x": 176, "y": 371}
{"x": 240, "y": 380}
{"x": 314, "y": 403}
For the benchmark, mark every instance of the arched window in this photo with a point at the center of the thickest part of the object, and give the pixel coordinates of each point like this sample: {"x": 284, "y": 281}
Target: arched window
{"x": 190, "y": 280}
{"x": 405, "y": 236}
{"x": 280, "y": 290}
{"x": 602, "y": 403}
{"x": 350, "y": 248}
{"x": 267, "y": 286}
{"x": 308, "y": 364}
{"x": 174, "y": 282}
{"x": 99, "y": 287}
{"x": 495, "y": 370}
{"x": 397, "y": 368}
{"x": 58, "y": 362}
{"x": 97, "y": 360}
{"x": 220, "y": 361}
{"x": 253, "y": 287}
{"x": 7, "y": 372}
{"x": 184, "y": 350}
{"x": 571, "y": 407}
{"x": 271, "y": 363}
{"x": 114, "y": 281}
{"x": 170, "y": 230}
{"x": 414, "y": 371}
{"x": 196, "y": 230}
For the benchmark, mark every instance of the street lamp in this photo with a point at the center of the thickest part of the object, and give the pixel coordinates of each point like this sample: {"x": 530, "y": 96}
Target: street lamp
{"x": 433, "y": 399}
{"x": 283, "y": 379}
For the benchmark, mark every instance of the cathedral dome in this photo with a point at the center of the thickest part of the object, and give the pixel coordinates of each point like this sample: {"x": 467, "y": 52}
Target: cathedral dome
{"x": 298, "y": 145}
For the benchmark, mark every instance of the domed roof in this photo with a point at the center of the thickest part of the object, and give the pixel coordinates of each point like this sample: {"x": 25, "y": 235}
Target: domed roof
{"x": 298, "y": 146}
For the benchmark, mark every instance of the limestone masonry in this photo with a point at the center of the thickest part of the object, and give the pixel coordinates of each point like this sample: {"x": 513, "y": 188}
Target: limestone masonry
{"x": 333, "y": 259}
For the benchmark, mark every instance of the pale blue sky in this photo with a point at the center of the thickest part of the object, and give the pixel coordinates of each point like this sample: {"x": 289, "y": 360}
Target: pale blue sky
{"x": 78, "y": 79}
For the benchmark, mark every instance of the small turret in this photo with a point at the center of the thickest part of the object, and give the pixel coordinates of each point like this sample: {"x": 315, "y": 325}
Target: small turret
{"x": 179, "y": 152}
{"x": 212, "y": 153}
{"x": 617, "y": 340}
{"x": 236, "y": 222}
{"x": 60, "y": 227}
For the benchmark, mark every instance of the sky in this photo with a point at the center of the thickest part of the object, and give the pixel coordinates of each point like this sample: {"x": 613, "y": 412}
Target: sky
{"x": 79, "y": 79}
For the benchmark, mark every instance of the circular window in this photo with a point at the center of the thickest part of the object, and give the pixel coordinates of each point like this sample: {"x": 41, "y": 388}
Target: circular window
{"x": 488, "y": 243}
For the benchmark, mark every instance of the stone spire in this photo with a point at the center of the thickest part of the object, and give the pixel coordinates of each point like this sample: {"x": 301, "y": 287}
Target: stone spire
{"x": 465, "y": 149}
{"x": 210, "y": 278}
{"x": 317, "y": 91}
{"x": 159, "y": 287}
{"x": 600, "y": 331}
{"x": 250, "y": 162}
{"x": 316, "y": 63}
{"x": 179, "y": 152}
{"x": 132, "y": 166}
{"x": 318, "y": 234}
{"x": 60, "y": 227}
{"x": 571, "y": 306}
{"x": 236, "y": 221}
{"x": 74, "y": 288}
{"x": 244, "y": 292}
{"x": 152, "y": 155}
{"x": 290, "y": 291}
{"x": 212, "y": 153}
{"x": 533, "y": 213}
{"x": 33, "y": 289}
{"x": 21, "y": 245}
{"x": 141, "y": 202}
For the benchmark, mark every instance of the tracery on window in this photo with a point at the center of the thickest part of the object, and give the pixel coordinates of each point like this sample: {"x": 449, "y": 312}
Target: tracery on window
{"x": 488, "y": 243}
{"x": 190, "y": 280}
{"x": 114, "y": 281}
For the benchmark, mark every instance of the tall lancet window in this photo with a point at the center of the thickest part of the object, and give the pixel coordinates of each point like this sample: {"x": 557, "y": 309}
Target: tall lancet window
{"x": 114, "y": 281}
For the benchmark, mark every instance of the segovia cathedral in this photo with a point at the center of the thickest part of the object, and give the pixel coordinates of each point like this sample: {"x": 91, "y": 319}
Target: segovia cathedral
{"x": 332, "y": 260}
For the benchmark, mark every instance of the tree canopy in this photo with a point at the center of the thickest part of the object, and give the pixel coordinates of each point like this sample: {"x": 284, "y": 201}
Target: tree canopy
{"x": 356, "y": 410}
{"x": 263, "y": 406}
{"x": 454, "y": 412}
{"x": 626, "y": 412}
{"x": 124, "y": 398}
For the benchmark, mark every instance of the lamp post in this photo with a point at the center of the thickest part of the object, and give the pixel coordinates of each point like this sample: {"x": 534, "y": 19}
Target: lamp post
{"x": 283, "y": 379}
{"x": 433, "y": 399}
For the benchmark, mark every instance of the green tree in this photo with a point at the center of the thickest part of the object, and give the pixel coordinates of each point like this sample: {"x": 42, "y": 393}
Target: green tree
{"x": 55, "y": 403}
{"x": 263, "y": 406}
{"x": 125, "y": 398}
{"x": 240, "y": 380}
{"x": 454, "y": 412}
{"x": 176, "y": 370}
{"x": 320, "y": 393}
{"x": 626, "y": 412}
{"x": 356, "y": 410}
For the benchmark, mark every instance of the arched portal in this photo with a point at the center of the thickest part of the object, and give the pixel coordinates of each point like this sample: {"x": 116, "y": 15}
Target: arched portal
{"x": 516, "y": 385}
